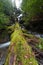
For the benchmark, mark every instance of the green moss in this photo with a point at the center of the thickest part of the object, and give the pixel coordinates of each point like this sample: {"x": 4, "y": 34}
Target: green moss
{"x": 37, "y": 41}
{"x": 40, "y": 44}
{"x": 23, "y": 52}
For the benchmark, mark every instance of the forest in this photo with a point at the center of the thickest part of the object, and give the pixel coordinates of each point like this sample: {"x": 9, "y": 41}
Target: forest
{"x": 21, "y": 32}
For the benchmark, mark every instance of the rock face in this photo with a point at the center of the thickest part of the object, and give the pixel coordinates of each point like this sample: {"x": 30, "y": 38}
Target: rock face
{"x": 19, "y": 52}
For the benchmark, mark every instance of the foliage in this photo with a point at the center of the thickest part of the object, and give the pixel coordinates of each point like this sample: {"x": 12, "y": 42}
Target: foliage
{"x": 6, "y": 10}
{"x": 40, "y": 44}
{"x": 6, "y": 6}
{"x": 3, "y": 20}
{"x": 19, "y": 52}
{"x": 32, "y": 8}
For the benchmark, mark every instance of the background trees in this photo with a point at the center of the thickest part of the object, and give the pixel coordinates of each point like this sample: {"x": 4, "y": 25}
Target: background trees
{"x": 6, "y": 10}
{"x": 3, "y": 20}
{"x": 33, "y": 14}
{"x": 32, "y": 8}
{"x": 6, "y": 6}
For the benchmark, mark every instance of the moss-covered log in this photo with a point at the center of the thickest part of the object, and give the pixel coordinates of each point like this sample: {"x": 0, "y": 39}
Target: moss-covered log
{"x": 19, "y": 52}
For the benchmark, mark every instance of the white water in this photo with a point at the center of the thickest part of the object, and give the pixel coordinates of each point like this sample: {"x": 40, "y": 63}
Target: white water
{"x": 4, "y": 45}
{"x": 17, "y": 3}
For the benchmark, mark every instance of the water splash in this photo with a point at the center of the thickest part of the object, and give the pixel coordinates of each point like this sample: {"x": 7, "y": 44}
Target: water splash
{"x": 4, "y": 45}
{"x": 18, "y": 3}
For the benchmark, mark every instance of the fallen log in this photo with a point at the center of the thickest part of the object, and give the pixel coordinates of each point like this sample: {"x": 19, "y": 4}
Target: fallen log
{"x": 19, "y": 52}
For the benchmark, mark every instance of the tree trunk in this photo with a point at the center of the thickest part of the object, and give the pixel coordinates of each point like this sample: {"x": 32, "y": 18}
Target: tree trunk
{"x": 19, "y": 52}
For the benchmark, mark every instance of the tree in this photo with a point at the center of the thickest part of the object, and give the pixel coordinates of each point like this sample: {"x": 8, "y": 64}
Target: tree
{"x": 32, "y": 8}
{"x": 19, "y": 52}
{"x": 6, "y": 11}
{"x": 6, "y": 6}
{"x": 3, "y": 20}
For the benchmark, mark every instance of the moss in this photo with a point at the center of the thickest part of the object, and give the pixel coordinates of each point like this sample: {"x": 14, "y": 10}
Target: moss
{"x": 20, "y": 48}
{"x": 35, "y": 40}
{"x": 40, "y": 44}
